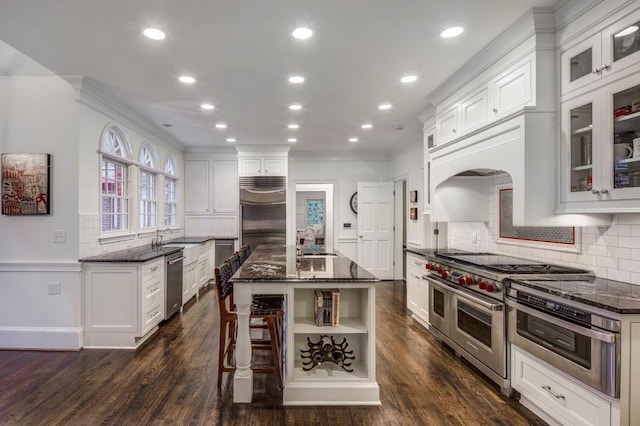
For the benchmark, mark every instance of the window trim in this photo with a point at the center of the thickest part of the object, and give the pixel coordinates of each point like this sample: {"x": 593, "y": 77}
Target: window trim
{"x": 154, "y": 201}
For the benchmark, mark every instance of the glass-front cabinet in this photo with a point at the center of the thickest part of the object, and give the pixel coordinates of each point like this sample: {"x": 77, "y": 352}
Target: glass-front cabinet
{"x": 601, "y": 144}
{"x": 603, "y": 54}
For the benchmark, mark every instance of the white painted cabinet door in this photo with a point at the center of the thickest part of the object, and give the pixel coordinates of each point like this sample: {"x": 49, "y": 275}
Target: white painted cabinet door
{"x": 197, "y": 194}
{"x": 225, "y": 186}
{"x": 375, "y": 228}
{"x": 274, "y": 166}
{"x": 250, "y": 166}
{"x": 474, "y": 110}
{"x": 447, "y": 125}
{"x": 512, "y": 89}
{"x": 579, "y": 64}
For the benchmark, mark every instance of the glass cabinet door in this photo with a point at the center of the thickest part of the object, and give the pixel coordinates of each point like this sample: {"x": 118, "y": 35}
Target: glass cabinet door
{"x": 581, "y": 148}
{"x": 580, "y": 63}
{"x": 625, "y": 141}
{"x": 626, "y": 41}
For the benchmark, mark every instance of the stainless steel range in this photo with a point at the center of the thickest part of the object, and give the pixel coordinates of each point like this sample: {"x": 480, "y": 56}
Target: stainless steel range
{"x": 467, "y": 307}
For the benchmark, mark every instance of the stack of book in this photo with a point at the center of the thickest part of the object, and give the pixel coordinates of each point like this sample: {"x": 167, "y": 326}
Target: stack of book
{"x": 327, "y": 306}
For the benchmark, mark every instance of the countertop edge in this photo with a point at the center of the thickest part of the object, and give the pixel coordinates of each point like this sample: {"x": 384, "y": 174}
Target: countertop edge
{"x": 170, "y": 250}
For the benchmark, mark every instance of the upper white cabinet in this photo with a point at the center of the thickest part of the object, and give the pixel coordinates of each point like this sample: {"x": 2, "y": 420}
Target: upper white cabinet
{"x": 211, "y": 186}
{"x": 197, "y": 178}
{"x": 511, "y": 89}
{"x": 601, "y": 55}
{"x": 600, "y": 172}
{"x": 262, "y": 166}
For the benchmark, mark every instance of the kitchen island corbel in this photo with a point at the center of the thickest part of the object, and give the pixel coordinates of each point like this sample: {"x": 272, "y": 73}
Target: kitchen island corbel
{"x": 277, "y": 270}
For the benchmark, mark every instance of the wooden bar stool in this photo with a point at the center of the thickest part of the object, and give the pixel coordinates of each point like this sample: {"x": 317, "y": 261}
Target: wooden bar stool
{"x": 269, "y": 309}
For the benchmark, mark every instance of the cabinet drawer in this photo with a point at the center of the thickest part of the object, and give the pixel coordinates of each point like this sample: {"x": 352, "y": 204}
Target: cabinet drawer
{"x": 153, "y": 271}
{"x": 560, "y": 397}
{"x": 151, "y": 291}
{"x": 205, "y": 249}
{"x": 153, "y": 314}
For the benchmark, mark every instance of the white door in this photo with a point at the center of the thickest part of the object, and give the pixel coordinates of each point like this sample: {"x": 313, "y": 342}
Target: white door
{"x": 375, "y": 228}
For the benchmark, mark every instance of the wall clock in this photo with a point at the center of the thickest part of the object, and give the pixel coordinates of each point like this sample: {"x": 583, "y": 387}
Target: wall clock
{"x": 353, "y": 203}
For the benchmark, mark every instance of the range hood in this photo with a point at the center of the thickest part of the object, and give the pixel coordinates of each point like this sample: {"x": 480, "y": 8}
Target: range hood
{"x": 520, "y": 151}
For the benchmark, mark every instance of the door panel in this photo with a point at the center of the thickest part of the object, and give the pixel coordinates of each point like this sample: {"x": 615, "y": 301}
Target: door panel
{"x": 375, "y": 228}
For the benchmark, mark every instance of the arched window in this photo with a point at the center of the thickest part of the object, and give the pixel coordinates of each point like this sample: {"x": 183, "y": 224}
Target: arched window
{"x": 148, "y": 187}
{"x": 170, "y": 196}
{"x": 115, "y": 156}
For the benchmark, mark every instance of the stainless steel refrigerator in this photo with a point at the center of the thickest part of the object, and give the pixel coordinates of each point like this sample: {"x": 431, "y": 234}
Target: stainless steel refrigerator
{"x": 263, "y": 210}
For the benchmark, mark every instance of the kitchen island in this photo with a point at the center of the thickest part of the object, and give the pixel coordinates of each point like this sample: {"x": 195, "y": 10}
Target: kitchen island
{"x": 279, "y": 270}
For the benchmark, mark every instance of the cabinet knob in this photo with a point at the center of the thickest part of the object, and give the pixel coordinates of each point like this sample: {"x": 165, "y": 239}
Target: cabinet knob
{"x": 495, "y": 110}
{"x": 266, "y": 171}
{"x": 595, "y": 192}
{"x": 595, "y": 71}
{"x": 604, "y": 191}
{"x": 454, "y": 130}
{"x": 604, "y": 67}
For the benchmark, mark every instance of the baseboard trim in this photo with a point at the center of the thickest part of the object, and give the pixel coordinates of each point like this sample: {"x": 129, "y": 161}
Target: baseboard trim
{"x": 41, "y": 338}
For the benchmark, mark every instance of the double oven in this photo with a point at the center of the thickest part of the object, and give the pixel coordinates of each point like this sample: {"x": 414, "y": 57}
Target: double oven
{"x": 580, "y": 339}
{"x": 467, "y": 308}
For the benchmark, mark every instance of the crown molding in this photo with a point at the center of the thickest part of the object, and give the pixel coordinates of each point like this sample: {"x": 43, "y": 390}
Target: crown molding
{"x": 91, "y": 93}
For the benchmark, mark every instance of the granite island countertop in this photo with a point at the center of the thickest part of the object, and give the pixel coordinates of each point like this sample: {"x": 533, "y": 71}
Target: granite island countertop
{"x": 279, "y": 263}
{"x": 613, "y": 296}
{"x": 133, "y": 255}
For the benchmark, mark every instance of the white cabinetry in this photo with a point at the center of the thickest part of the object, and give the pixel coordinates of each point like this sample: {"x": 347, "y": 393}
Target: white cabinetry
{"x": 329, "y": 384}
{"x": 211, "y": 186}
{"x": 205, "y": 269}
{"x": 124, "y": 303}
{"x": 417, "y": 289}
{"x": 599, "y": 172}
{"x": 211, "y": 197}
{"x": 510, "y": 90}
{"x": 559, "y": 396}
{"x": 429, "y": 142}
{"x": 263, "y": 166}
{"x": 602, "y": 55}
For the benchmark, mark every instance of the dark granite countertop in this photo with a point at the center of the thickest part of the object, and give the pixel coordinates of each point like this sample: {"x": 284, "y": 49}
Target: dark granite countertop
{"x": 278, "y": 263}
{"x": 189, "y": 240}
{"x": 614, "y": 296}
{"x": 133, "y": 255}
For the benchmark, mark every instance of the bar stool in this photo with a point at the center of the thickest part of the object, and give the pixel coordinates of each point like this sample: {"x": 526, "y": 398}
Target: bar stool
{"x": 269, "y": 309}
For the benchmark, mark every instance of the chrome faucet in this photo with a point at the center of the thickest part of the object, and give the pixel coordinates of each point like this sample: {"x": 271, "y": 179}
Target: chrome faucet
{"x": 157, "y": 241}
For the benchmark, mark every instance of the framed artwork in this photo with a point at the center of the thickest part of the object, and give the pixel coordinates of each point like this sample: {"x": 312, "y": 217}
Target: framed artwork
{"x": 25, "y": 184}
{"x": 413, "y": 196}
{"x": 413, "y": 213}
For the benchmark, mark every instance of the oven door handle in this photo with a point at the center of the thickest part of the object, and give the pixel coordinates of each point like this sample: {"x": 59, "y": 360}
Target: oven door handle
{"x": 594, "y": 334}
{"x": 485, "y": 304}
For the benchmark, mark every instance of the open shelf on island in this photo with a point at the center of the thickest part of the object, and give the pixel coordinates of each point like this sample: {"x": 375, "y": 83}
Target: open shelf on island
{"x": 348, "y": 325}
{"x": 330, "y": 371}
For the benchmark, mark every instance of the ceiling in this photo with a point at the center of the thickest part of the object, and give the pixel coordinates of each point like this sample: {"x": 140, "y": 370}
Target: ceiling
{"x": 241, "y": 52}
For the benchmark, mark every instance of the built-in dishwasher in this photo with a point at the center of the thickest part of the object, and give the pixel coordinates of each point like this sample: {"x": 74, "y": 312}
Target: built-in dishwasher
{"x": 173, "y": 283}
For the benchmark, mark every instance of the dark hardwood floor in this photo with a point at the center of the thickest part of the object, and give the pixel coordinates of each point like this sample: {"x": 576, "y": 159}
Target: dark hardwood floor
{"x": 172, "y": 380}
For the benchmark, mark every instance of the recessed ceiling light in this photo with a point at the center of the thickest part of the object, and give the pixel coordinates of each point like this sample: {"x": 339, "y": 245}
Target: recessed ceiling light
{"x": 451, "y": 32}
{"x": 231, "y": 140}
{"x": 629, "y": 30}
{"x": 292, "y": 140}
{"x": 293, "y": 126}
{"x": 186, "y": 79}
{"x": 296, "y": 79}
{"x": 207, "y": 106}
{"x": 221, "y": 126}
{"x": 154, "y": 34}
{"x": 384, "y": 106}
{"x": 367, "y": 126}
{"x": 167, "y": 125}
{"x": 353, "y": 139}
{"x": 302, "y": 33}
{"x": 295, "y": 107}
{"x": 408, "y": 79}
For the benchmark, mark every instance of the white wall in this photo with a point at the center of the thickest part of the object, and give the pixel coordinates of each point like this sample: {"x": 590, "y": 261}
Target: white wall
{"x": 345, "y": 175}
{"x": 611, "y": 252}
{"x": 409, "y": 164}
{"x": 38, "y": 114}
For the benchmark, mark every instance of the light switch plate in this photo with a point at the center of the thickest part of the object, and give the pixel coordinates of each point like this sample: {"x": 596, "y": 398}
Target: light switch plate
{"x": 54, "y": 287}
{"x": 59, "y": 236}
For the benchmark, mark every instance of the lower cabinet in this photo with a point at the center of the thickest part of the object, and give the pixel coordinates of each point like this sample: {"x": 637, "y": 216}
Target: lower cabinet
{"x": 189, "y": 281}
{"x": 124, "y": 303}
{"x": 557, "y": 397}
{"x": 417, "y": 289}
{"x": 204, "y": 271}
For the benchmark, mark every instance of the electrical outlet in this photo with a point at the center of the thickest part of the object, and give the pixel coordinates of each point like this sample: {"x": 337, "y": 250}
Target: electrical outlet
{"x": 59, "y": 236}
{"x": 54, "y": 287}
{"x": 475, "y": 238}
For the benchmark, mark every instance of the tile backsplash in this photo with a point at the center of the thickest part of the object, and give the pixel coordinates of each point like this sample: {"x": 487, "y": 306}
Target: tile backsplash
{"x": 610, "y": 252}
